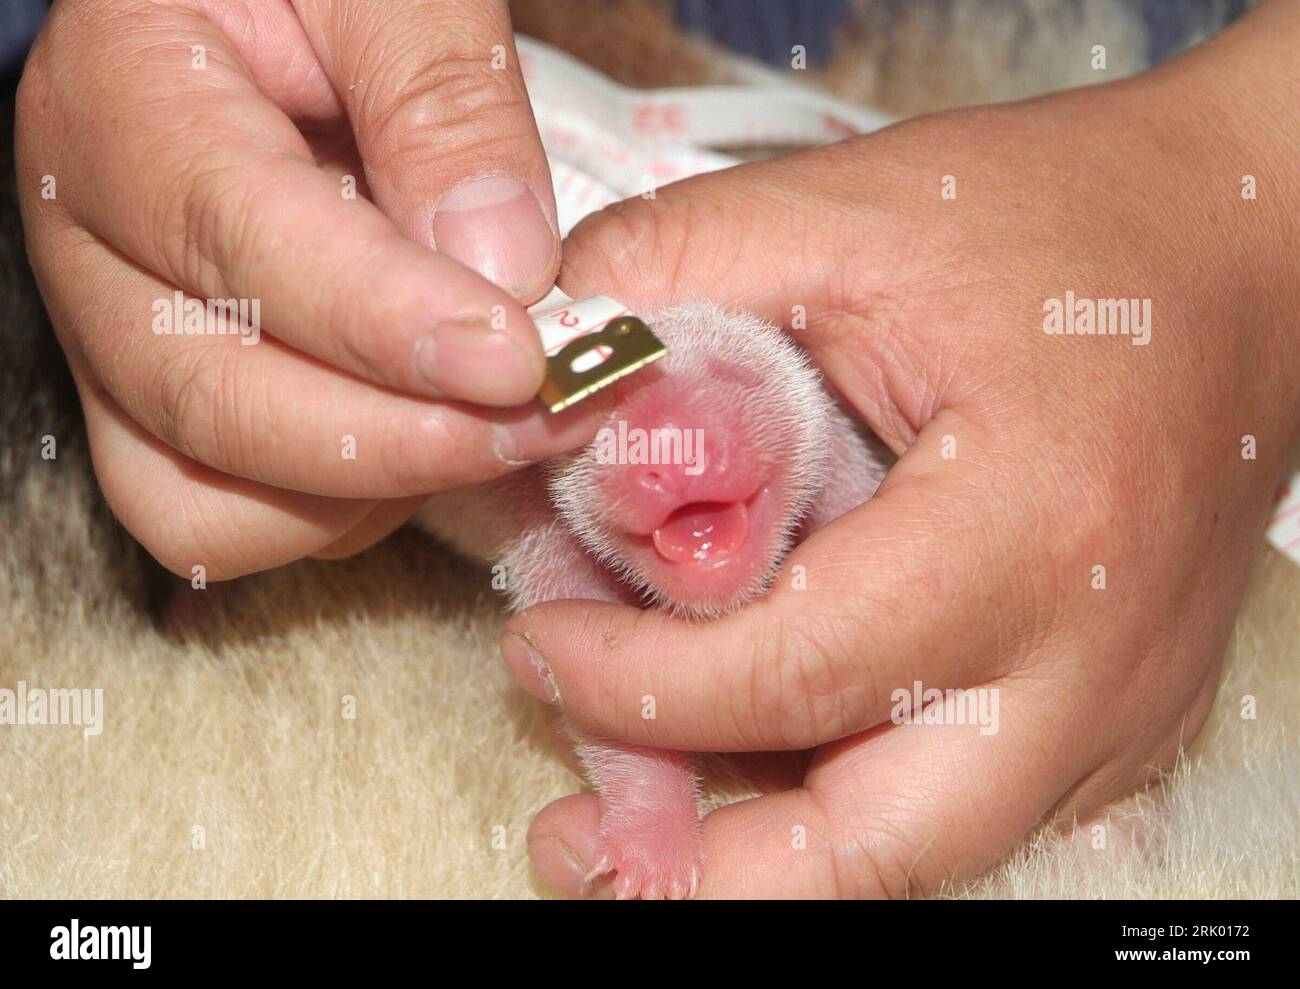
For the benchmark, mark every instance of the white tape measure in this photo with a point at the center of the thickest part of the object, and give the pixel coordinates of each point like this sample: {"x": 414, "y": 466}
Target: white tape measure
{"x": 1284, "y": 527}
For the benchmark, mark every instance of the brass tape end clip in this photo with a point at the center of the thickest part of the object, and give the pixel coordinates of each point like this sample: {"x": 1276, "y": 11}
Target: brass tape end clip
{"x": 632, "y": 346}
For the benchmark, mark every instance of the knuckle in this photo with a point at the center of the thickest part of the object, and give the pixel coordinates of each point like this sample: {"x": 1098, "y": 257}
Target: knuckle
{"x": 195, "y": 392}
{"x": 866, "y": 865}
{"x": 612, "y": 234}
{"x": 34, "y": 95}
{"x": 200, "y": 250}
{"x": 416, "y": 461}
{"x": 37, "y": 123}
{"x": 220, "y": 213}
{"x": 778, "y": 697}
{"x": 633, "y": 236}
{"x": 803, "y": 681}
{"x": 167, "y": 541}
{"x": 194, "y": 534}
{"x": 616, "y": 703}
{"x": 173, "y": 545}
{"x": 449, "y": 107}
{"x": 176, "y": 534}
{"x": 807, "y": 690}
{"x": 354, "y": 309}
{"x": 858, "y": 860}
{"x": 608, "y": 236}
{"x": 357, "y": 353}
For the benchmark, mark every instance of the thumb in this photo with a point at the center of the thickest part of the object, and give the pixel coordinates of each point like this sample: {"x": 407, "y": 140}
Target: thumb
{"x": 754, "y": 237}
{"x": 443, "y": 123}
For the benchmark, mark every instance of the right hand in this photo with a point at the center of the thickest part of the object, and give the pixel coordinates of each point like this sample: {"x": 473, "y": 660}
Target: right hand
{"x": 1031, "y": 463}
{"x": 202, "y": 146}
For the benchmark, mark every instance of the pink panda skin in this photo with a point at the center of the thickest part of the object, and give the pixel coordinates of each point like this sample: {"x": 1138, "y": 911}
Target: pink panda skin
{"x": 771, "y": 458}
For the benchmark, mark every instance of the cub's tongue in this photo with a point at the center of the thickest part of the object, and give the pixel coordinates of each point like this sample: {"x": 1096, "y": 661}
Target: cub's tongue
{"x": 702, "y": 531}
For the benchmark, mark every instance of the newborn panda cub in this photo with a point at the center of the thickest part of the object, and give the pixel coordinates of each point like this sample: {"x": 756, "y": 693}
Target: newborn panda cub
{"x": 765, "y": 457}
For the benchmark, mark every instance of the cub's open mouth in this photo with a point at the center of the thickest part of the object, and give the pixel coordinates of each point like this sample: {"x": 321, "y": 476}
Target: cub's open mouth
{"x": 702, "y": 531}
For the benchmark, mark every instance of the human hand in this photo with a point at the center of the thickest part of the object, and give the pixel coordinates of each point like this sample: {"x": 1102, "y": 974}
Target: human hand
{"x": 213, "y": 146}
{"x": 1028, "y": 460}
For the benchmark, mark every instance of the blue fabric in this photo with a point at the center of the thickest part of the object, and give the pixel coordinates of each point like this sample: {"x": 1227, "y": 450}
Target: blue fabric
{"x": 766, "y": 29}
{"x": 19, "y": 22}
{"x": 1168, "y": 22}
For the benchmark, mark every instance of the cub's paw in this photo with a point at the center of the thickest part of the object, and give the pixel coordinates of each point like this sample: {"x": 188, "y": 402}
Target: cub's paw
{"x": 651, "y": 863}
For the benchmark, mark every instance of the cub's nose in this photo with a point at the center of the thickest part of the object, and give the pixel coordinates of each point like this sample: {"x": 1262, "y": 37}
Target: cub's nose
{"x": 680, "y": 472}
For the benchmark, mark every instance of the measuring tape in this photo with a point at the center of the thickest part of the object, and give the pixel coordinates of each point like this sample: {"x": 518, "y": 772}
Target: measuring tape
{"x": 606, "y": 142}
{"x": 1284, "y": 527}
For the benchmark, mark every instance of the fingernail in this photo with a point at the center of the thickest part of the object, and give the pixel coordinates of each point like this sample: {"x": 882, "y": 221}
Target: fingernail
{"x": 561, "y": 866}
{"x": 495, "y": 225}
{"x": 528, "y": 667}
{"x": 470, "y": 360}
{"x": 541, "y": 434}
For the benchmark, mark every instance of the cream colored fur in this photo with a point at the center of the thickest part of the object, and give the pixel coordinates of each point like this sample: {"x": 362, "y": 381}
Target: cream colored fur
{"x": 428, "y": 791}
{"x": 241, "y": 732}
